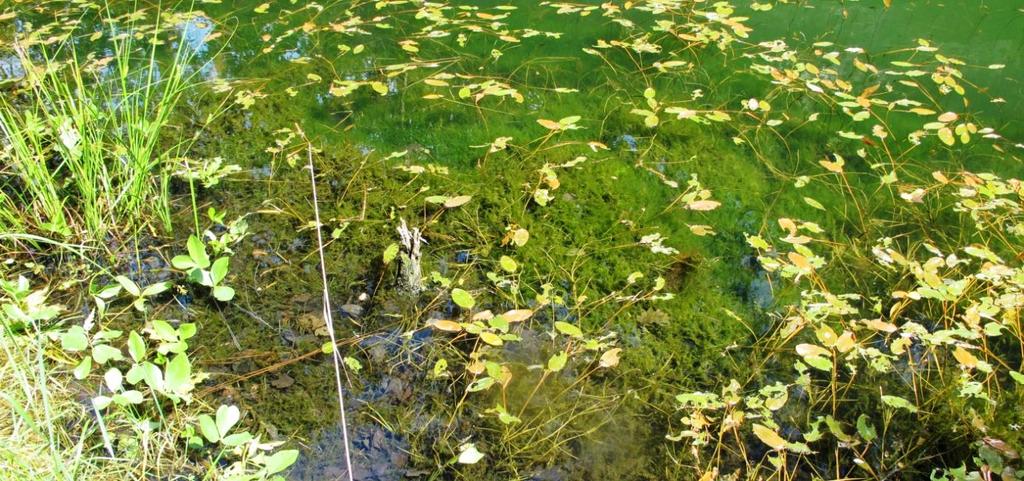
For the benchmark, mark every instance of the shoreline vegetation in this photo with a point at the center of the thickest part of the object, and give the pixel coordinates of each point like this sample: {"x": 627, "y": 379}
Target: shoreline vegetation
{"x": 562, "y": 241}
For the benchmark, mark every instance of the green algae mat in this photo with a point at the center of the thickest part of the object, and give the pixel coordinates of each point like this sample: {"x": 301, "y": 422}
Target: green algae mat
{"x": 647, "y": 240}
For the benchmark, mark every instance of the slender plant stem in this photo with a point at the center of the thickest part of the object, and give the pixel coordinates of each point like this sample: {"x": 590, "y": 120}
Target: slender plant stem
{"x": 328, "y": 318}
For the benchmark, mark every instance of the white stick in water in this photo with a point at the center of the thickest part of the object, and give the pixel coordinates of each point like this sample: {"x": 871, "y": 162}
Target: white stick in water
{"x": 328, "y": 318}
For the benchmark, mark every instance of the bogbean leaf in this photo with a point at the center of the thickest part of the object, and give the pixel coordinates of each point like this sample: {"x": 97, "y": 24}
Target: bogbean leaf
{"x": 102, "y": 353}
{"x": 113, "y": 379}
{"x": 219, "y": 270}
{"x": 227, "y": 417}
{"x": 457, "y": 201}
{"x": 179, "y": 375}
{"x": 83, "y": 368}
{"x": 209, "y": 428}
{"x": 280, "y": 461}
{"x": 136, "y": 347}
{"x": 236, "y": 439}
{"x": 182, "y": 262}
{"x": 223, "y": 293}
{"x": 197, "y": 251}
{"x": 74, "y": 339}
{"x": 129, "y": 285}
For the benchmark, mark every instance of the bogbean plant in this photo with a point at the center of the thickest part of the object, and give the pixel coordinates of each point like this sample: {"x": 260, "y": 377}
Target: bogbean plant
{"x": 880, "y": 380}
{"x": 149, "y": 391}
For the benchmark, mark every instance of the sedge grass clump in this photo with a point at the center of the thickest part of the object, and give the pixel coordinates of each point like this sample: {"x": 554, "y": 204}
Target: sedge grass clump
{"x": 87, "y": 141}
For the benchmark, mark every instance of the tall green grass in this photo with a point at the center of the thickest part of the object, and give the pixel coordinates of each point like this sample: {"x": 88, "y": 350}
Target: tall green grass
{"x": 88, "y": 145}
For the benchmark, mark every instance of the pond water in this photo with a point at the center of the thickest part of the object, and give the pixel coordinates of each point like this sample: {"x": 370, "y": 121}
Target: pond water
{"x": 406, "y": 101}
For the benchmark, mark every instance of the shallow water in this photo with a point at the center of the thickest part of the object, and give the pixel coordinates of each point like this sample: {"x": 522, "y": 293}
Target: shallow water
{"x": 582, "y": 245}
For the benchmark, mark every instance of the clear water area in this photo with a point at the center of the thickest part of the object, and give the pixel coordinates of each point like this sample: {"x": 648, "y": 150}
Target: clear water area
{"x": 404, "y": 422}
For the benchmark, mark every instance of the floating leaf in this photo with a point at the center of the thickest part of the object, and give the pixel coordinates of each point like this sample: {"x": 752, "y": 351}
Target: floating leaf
{"x": 445, "y": 325}
{"x": 462, "y": 298}
{"x": 568, "y": 329}
{"x": 491, "y": 338}
{"x": 517, "y": 315}
{"x": 508, "y": 264}
{"x": 965, "y": 358}
{"x": 610, "y": 358}
{"x": 457, "y": 201}
{"x": 520, "y": 237}
{"x": 769, "y": 437}
{"x": 557, "y": 362}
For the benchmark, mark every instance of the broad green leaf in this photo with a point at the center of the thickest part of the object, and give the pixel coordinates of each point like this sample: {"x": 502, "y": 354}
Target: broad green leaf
{"x": 129, "y": 285}
{"x": 209, "y": 428}
{"x": 74, "y": 339}
{"x": 197, "y": 251}
{"x": 163, "y": 330}
{"x": 820, "y": 363}
{"x": 480, "y": 384}
{"x": 568, "y": 329}
{"x": 236, "y": 439}
{"x": 865, "y": 428}
{"x": 227, "y": 417}
{"x": 83, "y": 368}
{"x": 462, "y": 298}
{"x": 179, "y": 375}
{"x": 499, "y": 322}
{"x": 223, "y": 293}
{"x": 219, "y": 270}
{"x": 182, "y": 262}
{"x": 113, "y": 379}
{"x": 491, "y": 338}
{"x": 131, "y": 397}
{"x": 280, "y": 461}
{"x": 508, "y": 264}
{"x": 769, "y": 437}
{"x": 557, "y": 362}
{"x": 136, "y": 346}
{"x": 102, "y": 353}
